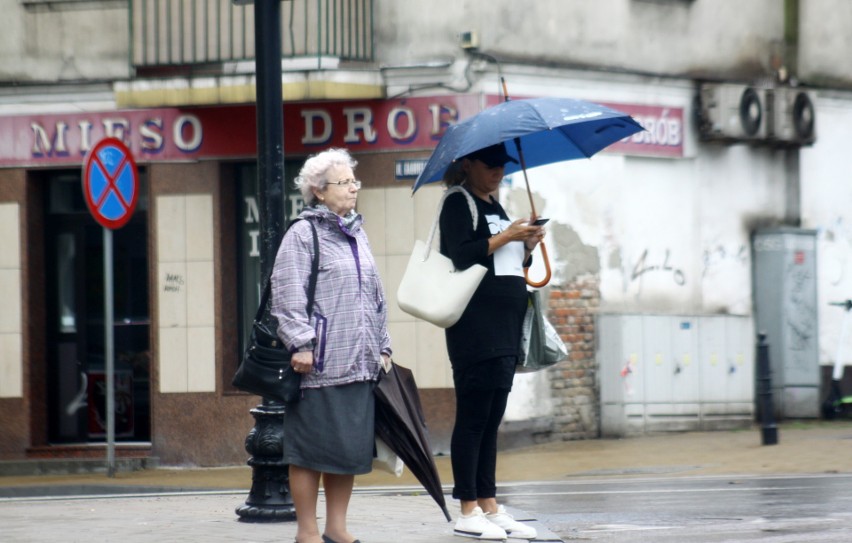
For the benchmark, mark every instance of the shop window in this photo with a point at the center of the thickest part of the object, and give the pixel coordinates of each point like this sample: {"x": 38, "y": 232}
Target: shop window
{"x": 248, "y": 249}
{"x": 75, "y": 400}
{"x": 248, "y": 237}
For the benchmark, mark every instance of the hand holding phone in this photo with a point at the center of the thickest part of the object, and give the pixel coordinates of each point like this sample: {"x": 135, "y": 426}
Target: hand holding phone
{"x": 539, "y": 222}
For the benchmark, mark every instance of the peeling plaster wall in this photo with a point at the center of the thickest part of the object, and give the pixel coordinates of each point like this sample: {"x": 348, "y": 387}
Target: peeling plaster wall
{"x": 827, "y": 208}
{"x": 664, "y": 235}
{"x": 674, "y": 235}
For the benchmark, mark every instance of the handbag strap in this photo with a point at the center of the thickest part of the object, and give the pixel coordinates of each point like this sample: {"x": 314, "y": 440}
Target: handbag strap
{"x": 474, "y": 213}
{"x": 312, "y": 281}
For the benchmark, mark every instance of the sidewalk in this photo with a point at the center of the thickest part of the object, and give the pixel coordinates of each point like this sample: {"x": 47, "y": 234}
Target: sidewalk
{"x": 384, "y": 504}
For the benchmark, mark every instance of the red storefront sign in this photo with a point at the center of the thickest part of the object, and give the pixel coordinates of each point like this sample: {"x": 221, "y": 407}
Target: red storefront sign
{"x": 229, "y": 132}
{"x": 663, "y": 135}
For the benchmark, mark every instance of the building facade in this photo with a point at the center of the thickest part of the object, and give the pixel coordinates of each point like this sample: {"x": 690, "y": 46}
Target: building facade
{"x": 651, "y": 242}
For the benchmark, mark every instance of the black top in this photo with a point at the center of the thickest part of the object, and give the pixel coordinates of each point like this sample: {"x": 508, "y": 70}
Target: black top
{"x": 490, "y": 326}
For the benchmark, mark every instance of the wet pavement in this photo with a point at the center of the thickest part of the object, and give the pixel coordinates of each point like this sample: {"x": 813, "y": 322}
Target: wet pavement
{"x": 698, "y": 487}
{"x": 774, "y": 508}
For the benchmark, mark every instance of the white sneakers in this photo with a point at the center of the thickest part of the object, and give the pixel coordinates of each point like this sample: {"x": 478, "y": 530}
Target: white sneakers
{"x": 512, "y": 527}
{"x": 493, "y": 526}
{"x": 475, "y": 525}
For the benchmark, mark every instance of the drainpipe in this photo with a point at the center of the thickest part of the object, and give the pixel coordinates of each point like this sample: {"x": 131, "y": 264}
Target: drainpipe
{"x": 793, "y": 190}
{"x": 791, "y": 36}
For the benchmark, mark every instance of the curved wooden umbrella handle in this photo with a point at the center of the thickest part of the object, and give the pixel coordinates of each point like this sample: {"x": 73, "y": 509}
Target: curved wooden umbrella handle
{"x": 547, "y": 273}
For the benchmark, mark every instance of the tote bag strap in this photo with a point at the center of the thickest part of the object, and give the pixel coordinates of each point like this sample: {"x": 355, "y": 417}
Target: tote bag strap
{"x": 312, "y": 280}
{"x": 474, "y": 213}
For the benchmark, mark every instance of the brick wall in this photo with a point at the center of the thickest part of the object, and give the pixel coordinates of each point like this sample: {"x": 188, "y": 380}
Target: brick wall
{"x": 571, "y": 310}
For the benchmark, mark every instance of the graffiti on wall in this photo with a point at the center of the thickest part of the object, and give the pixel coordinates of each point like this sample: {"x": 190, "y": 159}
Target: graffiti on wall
{"x": 174, "y": 283}
{"x": 655, "y": 271}
{"x": 658, "y": 262}
{"x": 725, "y": 276}
{"x": 800, "y": 313}
{"x": 720, "y": 255}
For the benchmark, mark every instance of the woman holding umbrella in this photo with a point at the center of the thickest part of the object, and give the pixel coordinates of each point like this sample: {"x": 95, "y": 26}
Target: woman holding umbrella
{"x": 484, "y": 344}
{"x": 338, "y": 349}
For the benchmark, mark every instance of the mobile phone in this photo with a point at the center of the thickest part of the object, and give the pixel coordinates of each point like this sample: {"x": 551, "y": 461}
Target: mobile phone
{"x": 539, "y": 222}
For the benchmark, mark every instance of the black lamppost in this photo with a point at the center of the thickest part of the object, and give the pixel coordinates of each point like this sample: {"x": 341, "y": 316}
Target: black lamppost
{"x": 269, "y": 497}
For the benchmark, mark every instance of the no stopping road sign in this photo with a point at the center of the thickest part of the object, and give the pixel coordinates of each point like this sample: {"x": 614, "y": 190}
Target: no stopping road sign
{"x": 110, "y": 183}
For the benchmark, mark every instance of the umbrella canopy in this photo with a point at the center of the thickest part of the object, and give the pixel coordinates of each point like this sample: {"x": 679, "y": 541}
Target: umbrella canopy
{"x": 548, "y": 130}
{"x": 401, "y": 425}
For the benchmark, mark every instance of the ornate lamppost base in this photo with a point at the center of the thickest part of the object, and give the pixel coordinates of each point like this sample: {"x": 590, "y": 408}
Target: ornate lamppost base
{"x": 269, "y": 498}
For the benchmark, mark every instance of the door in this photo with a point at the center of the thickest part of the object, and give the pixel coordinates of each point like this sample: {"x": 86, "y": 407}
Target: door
{"x": 74, "y": 278}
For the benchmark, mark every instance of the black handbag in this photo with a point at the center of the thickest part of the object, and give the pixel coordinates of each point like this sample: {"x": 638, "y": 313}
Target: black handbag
{"x": 265, "y": 369}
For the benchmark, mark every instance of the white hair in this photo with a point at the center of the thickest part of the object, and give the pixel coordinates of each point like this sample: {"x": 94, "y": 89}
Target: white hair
{"x": 313, "y": 173}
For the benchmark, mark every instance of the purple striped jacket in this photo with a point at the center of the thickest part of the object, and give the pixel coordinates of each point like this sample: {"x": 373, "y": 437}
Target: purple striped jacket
{"x": 347, "y": 329}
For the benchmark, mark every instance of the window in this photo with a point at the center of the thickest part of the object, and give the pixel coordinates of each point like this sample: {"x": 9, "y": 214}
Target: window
{"x": 248, "y": 238}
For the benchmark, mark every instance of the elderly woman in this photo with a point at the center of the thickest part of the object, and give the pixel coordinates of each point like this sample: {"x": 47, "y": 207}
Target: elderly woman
{"x": 339, "y": 348}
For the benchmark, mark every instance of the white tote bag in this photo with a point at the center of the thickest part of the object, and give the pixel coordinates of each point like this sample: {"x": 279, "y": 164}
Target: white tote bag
{"x": 431, "y": 288}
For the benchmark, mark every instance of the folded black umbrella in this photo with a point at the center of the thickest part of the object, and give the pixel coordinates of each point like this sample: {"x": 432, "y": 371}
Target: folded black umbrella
{"x": 401, "y": 425}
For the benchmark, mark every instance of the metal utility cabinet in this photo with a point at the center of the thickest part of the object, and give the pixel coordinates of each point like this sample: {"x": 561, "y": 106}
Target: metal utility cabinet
{"x": 675, "y": 373}
{"x": 785, "y": 307}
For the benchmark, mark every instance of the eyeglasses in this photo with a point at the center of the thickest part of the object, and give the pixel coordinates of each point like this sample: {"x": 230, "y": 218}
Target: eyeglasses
{"x": 347, "y": 183}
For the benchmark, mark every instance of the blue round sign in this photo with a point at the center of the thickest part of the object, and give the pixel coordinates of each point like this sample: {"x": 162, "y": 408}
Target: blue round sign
{"x": 111, "y": 183}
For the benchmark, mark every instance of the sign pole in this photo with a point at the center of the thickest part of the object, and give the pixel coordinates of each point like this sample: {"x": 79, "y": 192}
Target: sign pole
{"x": 111, "y": 190}
{"x": 109, "y": 344}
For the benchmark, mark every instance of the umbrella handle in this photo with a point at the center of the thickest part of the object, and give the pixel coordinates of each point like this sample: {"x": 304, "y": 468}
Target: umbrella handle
{"x": 547, "y": 273}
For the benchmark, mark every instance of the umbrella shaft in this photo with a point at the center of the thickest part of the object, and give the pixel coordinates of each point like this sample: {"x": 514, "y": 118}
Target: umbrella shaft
{"x": 533, "y": 214}
{"x": 523, "y": 162}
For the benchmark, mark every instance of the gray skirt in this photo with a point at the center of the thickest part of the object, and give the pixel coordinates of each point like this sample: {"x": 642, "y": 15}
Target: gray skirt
{"x": 331, "y": 429}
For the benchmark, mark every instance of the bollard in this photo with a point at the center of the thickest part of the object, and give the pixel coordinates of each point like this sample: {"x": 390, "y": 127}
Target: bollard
{"x": 769, "y": 432}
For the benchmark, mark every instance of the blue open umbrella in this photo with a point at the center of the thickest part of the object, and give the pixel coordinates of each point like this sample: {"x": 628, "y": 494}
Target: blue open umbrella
{"x": 548, "y": 130}
{"x": 543, "y": 130}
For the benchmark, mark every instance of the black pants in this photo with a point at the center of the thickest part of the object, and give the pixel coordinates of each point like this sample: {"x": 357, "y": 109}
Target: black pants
{"x": 473, "y": 447}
